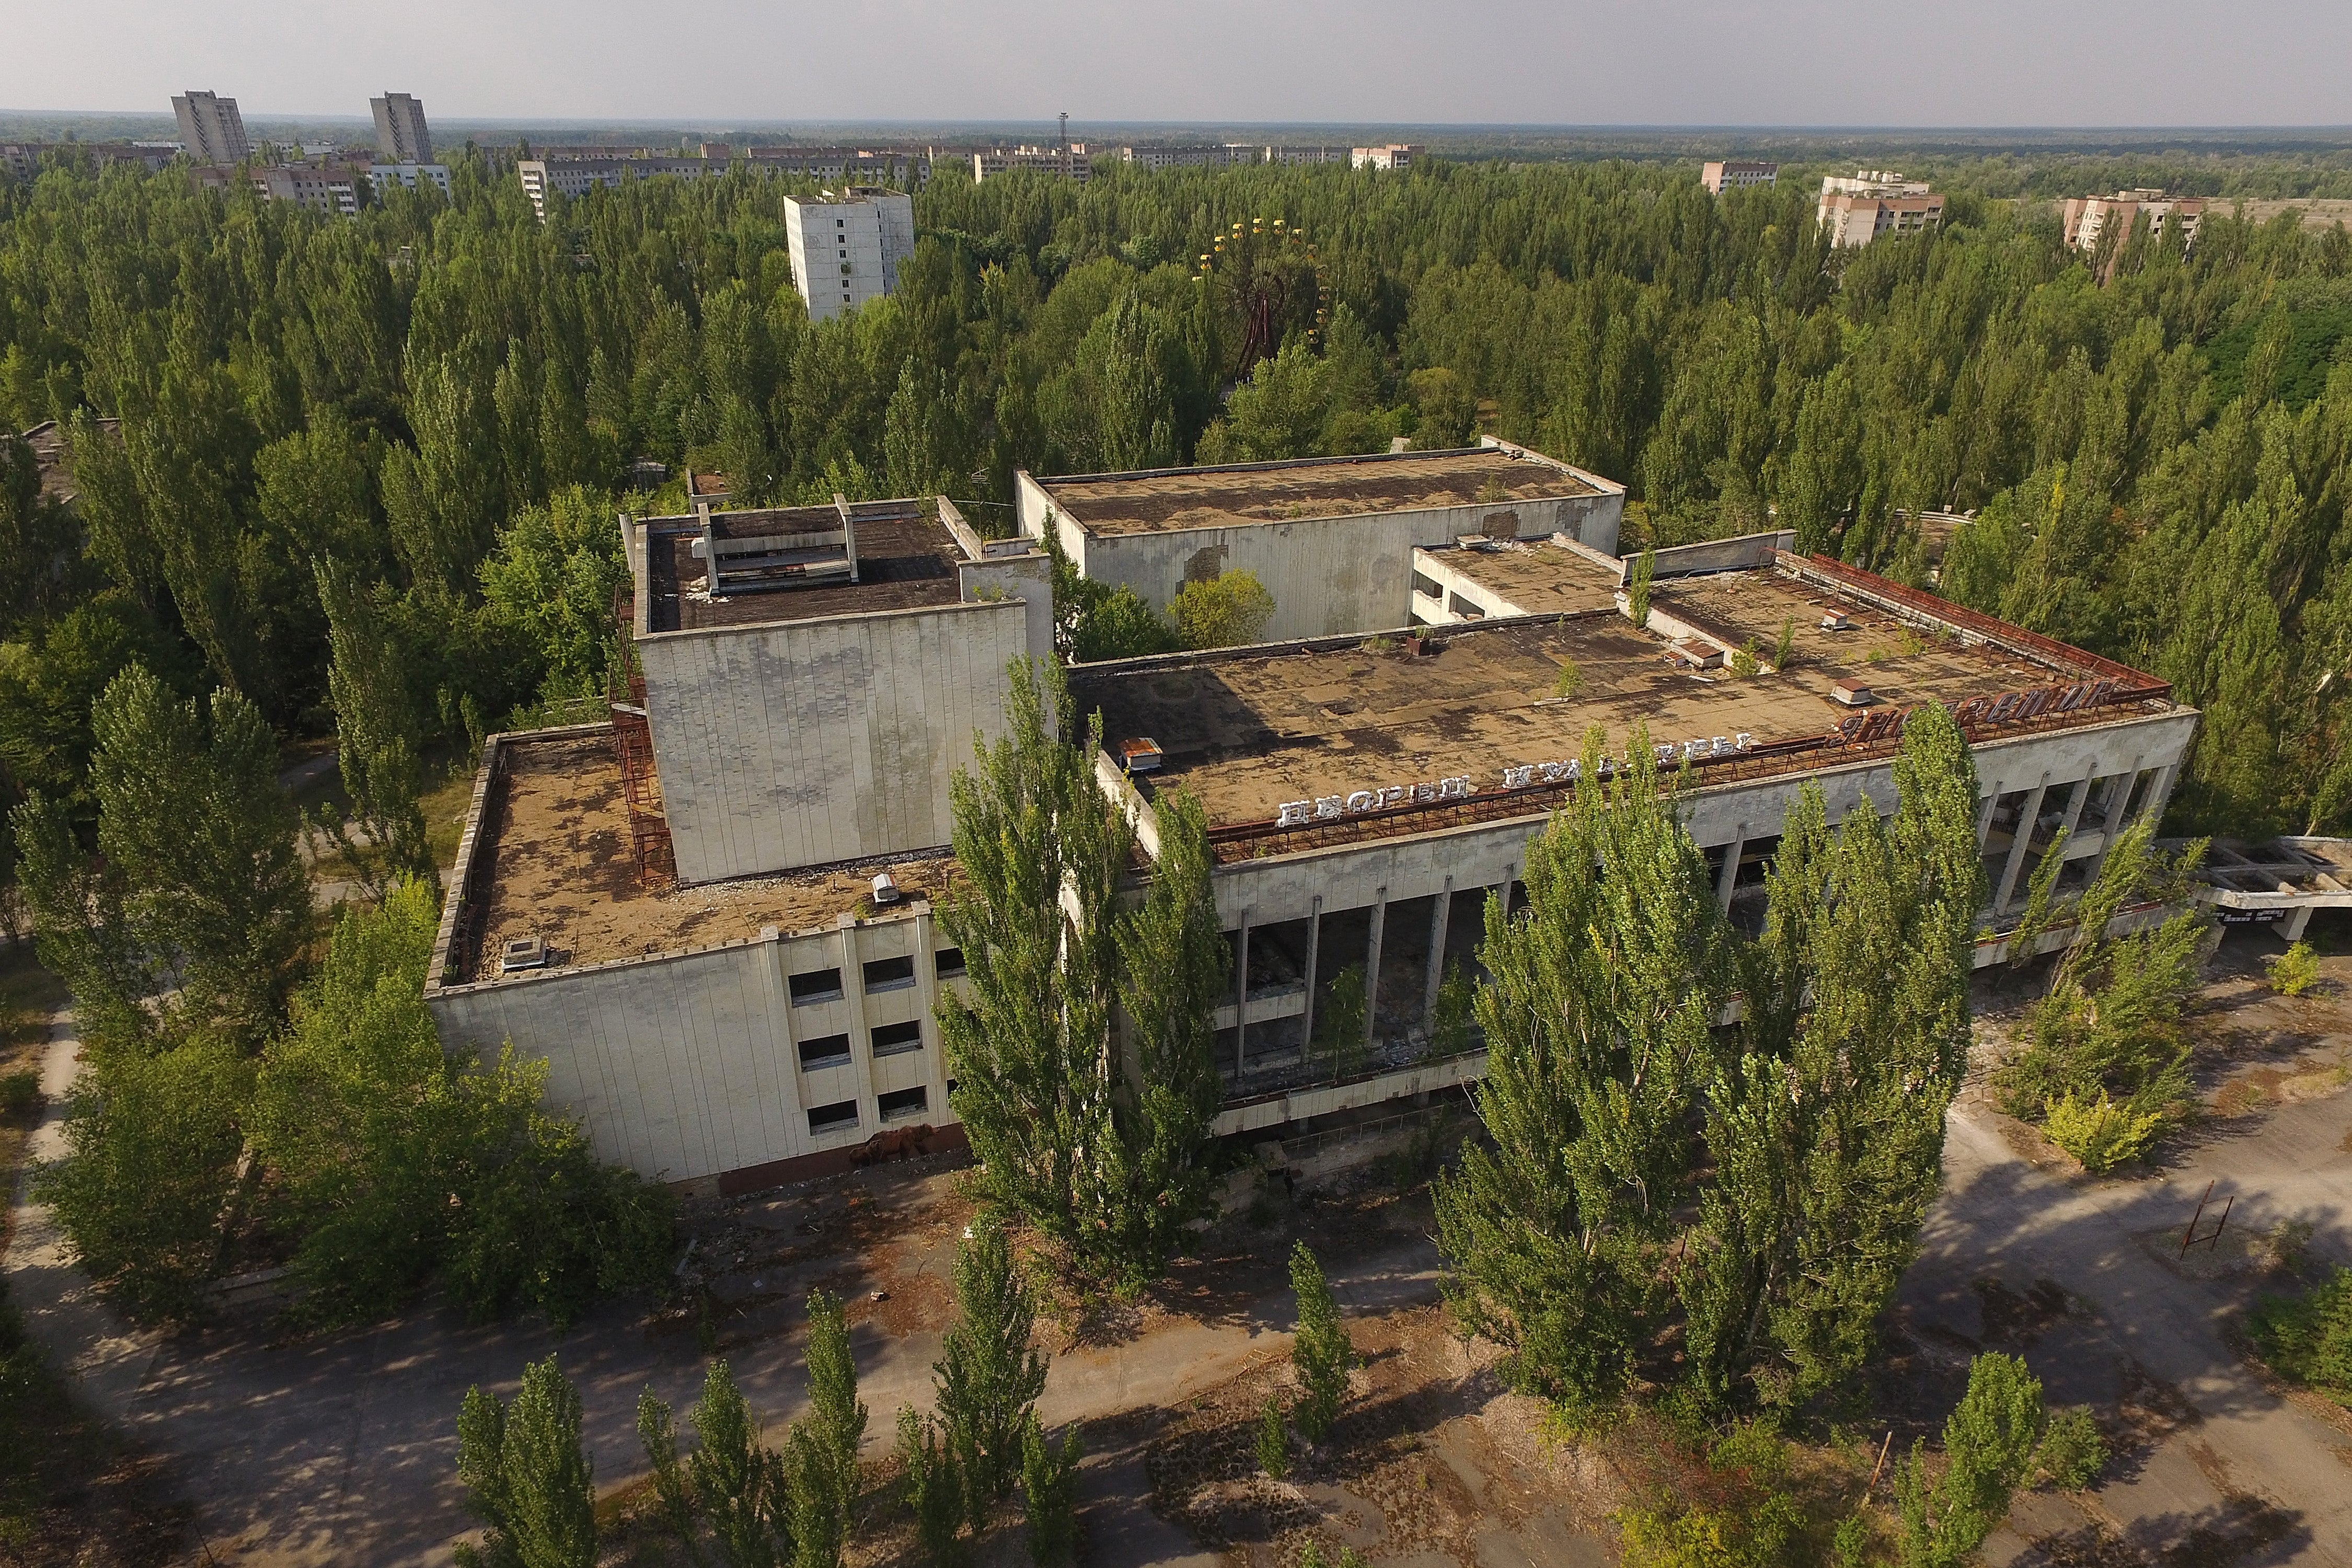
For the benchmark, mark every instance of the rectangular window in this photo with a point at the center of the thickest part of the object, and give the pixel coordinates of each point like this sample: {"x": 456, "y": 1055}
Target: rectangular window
{"x": 817, "y": 985}
{"x": 903, "y": 1102}
{"x": 1425, "y": 588}
{"x": 825, "y": 1051}
{"x": 891, "y": 1039}
{"x": 1466, "y": 609}
{"x": 890, "y": 975}
{"x": 833, "y": 1118}
{"x": 950, "y": 962}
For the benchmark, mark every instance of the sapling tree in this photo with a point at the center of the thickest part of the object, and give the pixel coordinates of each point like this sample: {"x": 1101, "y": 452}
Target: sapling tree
{"x": 525, "y": 1476}
{"x": 989, "y": 1374}
{"x": 1320, "y": 1352}
{"x": 1049, "y": 1488}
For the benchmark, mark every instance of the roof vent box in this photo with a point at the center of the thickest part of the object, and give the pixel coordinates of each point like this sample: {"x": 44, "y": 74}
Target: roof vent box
{"x": 1692, "y": 653}
{"x": 886, "y": 888}
{"x": 1834, "y": 622}
{"x": 1853, "y": 693}
{"x": 1139, "y": 755}
{"x": 522, "y": 952}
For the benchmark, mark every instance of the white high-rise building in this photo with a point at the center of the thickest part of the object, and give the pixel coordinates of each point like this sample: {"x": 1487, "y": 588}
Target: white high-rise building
{"x": 400, "y": 131}
{"x": 846, "y": 247}
{"x": 212, "y": 128}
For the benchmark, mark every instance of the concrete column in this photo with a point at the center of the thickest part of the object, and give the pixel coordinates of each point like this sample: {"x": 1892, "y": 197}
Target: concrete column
{"x": 776, "y": 993}
{"x": 1984, "y": 815}
{"x": 2018, "y": 845}
{"x": 2082, "y": 795}
{"x": 1372, "y": 967}
{"x": 1241, "y": 995}
{"x": 2298, "y": 922}
{"x": 1314, "y": 942}
{"x": 861, "y": 1039}
{"x": 2122, "y": 784}
{"x": 1729, "y": 875}
{"x": 1438, "y": 920}
{"x": 2160, "y": 792}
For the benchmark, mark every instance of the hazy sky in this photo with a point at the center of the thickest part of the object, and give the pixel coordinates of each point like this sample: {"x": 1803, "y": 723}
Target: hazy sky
{"x": 1647, "y": 62}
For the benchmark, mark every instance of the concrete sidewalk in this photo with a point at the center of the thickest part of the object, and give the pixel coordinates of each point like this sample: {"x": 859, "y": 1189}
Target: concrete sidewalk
{"x": 342, "y": 1448}
{"x": 2236, "y": 1446}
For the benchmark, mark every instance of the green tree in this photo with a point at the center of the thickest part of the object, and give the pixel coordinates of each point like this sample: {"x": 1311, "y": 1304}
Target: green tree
{"x": 1049, "y": 1487}
{"x": 1173, "y": 967}
{"x": 379, "y": 739}
{"x": 1447, "y": 410}
{"x": 1034, "y": 1077}
{"x": 935, "y": 1487}
{"x": 1989, "y": 1447}
{"x": 1228, "y": 610}
{"x": 989, "y": 1375}
{"x": 1604, "y": 990}
{"x": 825, "y": 1445}
{"x": 525, "y": 1476}
{"x": 1280, "y": 411}
{"x": 1320, "y": 1352}
{"x": 1274, "y": 1439}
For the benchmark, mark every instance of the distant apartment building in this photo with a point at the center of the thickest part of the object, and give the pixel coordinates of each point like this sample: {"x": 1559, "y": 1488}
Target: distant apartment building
{"x": 846, "y": 248}
{"x": 388, "y": 177}
{"x": 575, "y": 171}
{"x": 1737, "y": 175}
{"x": 2091, "y": 218}
{"x": 1395, "y": 155}
{"x": 1288, "y": 155}
{"x": 329, "y": 188}
{"x": 1873, "y": 203}
{"x": 400, "y": 131}
{"x": 211, "y": 127}
{"x": 1190, "y": 157}
{"x": 1072, "y": 162}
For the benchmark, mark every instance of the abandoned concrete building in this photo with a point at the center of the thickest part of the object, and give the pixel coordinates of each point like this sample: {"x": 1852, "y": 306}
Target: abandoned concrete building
{"x": 810, "y": 680}
{"x": 715, "y": 916}
{"x": 1330, "y": 538}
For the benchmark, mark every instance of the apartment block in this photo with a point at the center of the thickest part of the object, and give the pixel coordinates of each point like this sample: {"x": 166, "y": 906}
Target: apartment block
{"x": 389, "y": 177}
{"x": 401, "y": 134}
{"x": 329, "y": 188}
{"x": 846, "y": 248}
{"x": 1395, "y": 155}
{"x": 1071, "y": 161}
{"x": 1736, "y": 175}
{"x": 1875, "y": 201}
{"x": 2089, "y": 219}
{"x": 211, "y": 127}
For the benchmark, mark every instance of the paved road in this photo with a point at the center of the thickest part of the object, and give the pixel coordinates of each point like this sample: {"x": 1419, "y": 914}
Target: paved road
{"x": 2002, "y": 1218}
{"x": 343, "y": 1449}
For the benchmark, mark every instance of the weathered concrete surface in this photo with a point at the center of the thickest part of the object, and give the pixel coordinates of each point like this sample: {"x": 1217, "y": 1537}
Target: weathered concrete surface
{"x": 2000, "y": 1218}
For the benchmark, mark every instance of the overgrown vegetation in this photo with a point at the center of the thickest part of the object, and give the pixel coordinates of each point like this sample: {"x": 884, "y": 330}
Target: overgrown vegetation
{"x": 1112, "y": 1165}
{"x": 1588, "y": 1227}
{"x": 2104, "y": 1068}
{"x": 2308, "y": 1337}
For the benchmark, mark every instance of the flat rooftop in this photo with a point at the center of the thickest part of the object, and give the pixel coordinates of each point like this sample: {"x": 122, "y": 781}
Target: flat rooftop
{"x": 906, "y": 560}
{"x": 1540, "y": 577}
{"x": 1250, "y": 730}
{"x": 552, "y": 860}
{"x": 1172, "y": 499}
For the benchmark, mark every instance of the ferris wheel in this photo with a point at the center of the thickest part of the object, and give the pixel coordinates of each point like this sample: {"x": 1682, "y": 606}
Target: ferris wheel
{"x": 1263, "y": 295}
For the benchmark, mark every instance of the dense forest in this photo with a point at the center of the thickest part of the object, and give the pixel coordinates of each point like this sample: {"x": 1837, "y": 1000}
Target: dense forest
{"x": 437, "y": 403}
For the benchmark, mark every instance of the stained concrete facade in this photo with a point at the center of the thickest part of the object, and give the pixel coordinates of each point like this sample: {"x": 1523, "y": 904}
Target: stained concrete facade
{"x": 748, "y": 1061}
{"x": 783, "y": 742}
{"x": 1329, "y": 576}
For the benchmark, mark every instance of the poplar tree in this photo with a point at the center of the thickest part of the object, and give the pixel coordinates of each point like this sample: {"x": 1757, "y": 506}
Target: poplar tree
{"x": 824, "y": 1445}
{"x": 1320, "y": 1352}
{"x": 1031, "y": 1051}
{"x": 988, "y": 1376}
{"x": 379, "y": 740}
{"x": 1603, "y": 993}
{"x": 1825, "y": 1115}
{"x": 525, "y": 1476}
{"x": 1173, "y": 964}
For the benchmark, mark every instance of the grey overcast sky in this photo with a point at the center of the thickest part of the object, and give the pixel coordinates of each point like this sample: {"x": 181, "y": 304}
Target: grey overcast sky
{"x": 1642, "y": 62}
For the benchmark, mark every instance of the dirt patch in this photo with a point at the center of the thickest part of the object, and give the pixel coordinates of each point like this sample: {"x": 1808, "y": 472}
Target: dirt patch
{"x": 2014, "y": 1320}
{"x": 1431, "y": 1458}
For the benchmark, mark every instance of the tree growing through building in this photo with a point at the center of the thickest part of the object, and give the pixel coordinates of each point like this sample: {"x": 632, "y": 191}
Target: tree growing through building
{"x": 1228, "y": 610}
